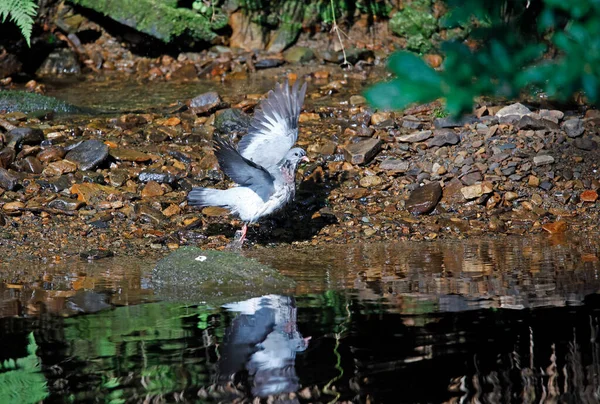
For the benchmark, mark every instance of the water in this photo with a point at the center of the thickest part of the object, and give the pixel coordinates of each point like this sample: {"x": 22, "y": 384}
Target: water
{"x": 506, "y": 320}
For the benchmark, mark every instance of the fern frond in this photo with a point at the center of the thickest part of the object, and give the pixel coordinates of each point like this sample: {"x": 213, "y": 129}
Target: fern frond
{"x": 21, "y": 12}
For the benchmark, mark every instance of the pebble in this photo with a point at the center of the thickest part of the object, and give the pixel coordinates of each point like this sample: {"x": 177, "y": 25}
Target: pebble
{"x": 555, "y": 227}
{"x": 7, "y": 180}
{"x": 358, "y": 100}
{"x": 52, "y": 153}
{"x": 424, "y": 199}
{"x": 29, "y": 164}
{"x": 362, "y": 152}
{"x": 379, "y": 117}
{"x": 60, "y": 167}
{"x": 395, "y": 165}
{"x": 370, "y": 181}
{"x": 89, "y": 154}
{"x": 24, "y": 136}
{"x": 528, "y": 122}
{"x": 585, "y": 143}
{"x": 477, "y": 190}
{"x": 573, "y": 127}
{"x": 160, "y": 177}
{"x": 7, "y": 156}
{"x": 443, "y": 137}
{"x": 129, "y": 155}
{"x": 516, "y": 109}
{"x": 205, "y": 103}
{"x": 533, "y": 181}
{"x": 13, "y": 206}
{"x": 152, "y": 189}
{"x": 415, "y": 137}
{"x": 231, "y": 120}
{"x": 589, "y": 196}
{"x": 449, "y": 122}
{"x": 543, "y": 159}
{"x": 65, "y": 204}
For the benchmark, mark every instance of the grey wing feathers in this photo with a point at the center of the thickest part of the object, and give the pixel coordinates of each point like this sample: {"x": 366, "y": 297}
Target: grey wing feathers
{"x": 274, "y": 128}
{"x": 243, "y": 171}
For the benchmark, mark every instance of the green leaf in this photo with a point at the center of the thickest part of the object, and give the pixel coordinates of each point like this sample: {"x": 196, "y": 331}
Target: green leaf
{"x": 21, "y": 12}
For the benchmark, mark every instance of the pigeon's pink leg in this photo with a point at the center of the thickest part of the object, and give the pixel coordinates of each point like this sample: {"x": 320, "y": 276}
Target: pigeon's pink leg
{"x": 244, "y": 230}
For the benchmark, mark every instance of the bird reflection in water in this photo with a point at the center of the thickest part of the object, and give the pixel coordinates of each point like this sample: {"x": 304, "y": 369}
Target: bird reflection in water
{"x": 263, "y": 340}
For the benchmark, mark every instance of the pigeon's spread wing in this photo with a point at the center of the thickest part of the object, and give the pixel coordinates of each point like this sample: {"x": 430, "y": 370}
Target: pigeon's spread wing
{"x": 243, "y": 171}
{"x": 274, "y": 128}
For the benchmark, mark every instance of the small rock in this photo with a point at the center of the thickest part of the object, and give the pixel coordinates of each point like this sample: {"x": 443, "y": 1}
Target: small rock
{"x": 117, "y": 177}
{"x": 555, "y": 227}
{"x": 589, "y": 196}
{"x": 13, "y": 206}
{"x": 24, "y": 136}
{"x": 7, "y": 156}
{"x": 533, "y": 181}
{"x": 585, "y": 143}
{"x": 362, "y": 152}
{"x": 91, "y": 193}
{"x": 543, "y": 159}
{"x": 415, "y": 137}
{"x": 152, "y": 189}
{"x": 52, "y": 153}
{"x": 449, "y": 122}
{"x": 370, "y": 181}
{"x": 517, "y": 109}
{"x": 528, "y": 122}
{"x": 88, "y": 155}
{"x": 299, "y": 54}
{"x": 29, "y": 165}
{"x": 205, "y": 103}
{"x": 7, "y": 180}
{"x": 379, "y": 117}
{"x": 553, "y": 115}
{"x": 510, "y": 196}
{"x": 573, "y": 127}
{"x": 68, "y": 205}
{"x": 185, "y": 72}
{"x": 395, "y": 165}
{"x": 476, "y": 190}
{"x": 59, "y": 168}
{"x": 358, "y": 100}
{"x": 160, "y": 177}
{"x": 129, "y": 155}
{"x": 171, "y": 210}
{"x": 442, "y": 137}
{"x": 215, "y": 211}
{"x": 471, "y": 178}
{"x": 62, "y": 61}
{"x": 268, "y": 63}
{"x": 56, "y": 185}
{"x": 424, "y": 199}
{"x": 231, "y": 120}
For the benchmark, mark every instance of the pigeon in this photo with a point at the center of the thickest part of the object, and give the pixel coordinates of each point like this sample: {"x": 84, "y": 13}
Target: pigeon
{"x": 264, "y": 164}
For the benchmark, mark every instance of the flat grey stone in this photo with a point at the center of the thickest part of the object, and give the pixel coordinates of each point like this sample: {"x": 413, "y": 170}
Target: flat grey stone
{"x": 88, "y": 155}
{"x": 573, "y": 127}
{"x": 363, "y": 151}
{"x": 543, "y": 159}
{"x": 415, "y": 137}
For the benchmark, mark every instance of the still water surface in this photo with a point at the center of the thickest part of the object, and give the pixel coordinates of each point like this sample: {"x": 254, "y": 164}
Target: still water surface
{"x": 505, "y": 320}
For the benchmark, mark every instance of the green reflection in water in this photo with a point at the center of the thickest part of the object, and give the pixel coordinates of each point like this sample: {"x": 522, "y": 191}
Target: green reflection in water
{"x": 21, "y": 380}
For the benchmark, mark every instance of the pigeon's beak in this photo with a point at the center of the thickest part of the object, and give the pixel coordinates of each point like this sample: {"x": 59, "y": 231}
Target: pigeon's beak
{"x": 305, "y": 159}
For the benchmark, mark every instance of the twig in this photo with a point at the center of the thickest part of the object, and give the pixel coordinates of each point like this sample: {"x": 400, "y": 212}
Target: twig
{"x": 337, "y": 30}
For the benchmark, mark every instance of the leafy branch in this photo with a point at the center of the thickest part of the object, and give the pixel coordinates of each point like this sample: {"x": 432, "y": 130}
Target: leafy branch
{"x": 21, "y": 12}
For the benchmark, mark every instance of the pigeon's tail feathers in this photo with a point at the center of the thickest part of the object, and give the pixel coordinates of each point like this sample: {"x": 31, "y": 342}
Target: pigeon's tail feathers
{"x": 202, "y": 197}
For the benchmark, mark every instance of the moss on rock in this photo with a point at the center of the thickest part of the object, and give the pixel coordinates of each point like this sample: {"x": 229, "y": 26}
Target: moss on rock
{"x": 158, "y": 18}
{"x": 22, "y": 101}
{"x": 191, "y": 274}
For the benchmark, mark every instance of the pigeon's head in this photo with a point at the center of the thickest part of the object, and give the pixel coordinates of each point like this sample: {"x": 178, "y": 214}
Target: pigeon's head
{"x": 295, "y": 156}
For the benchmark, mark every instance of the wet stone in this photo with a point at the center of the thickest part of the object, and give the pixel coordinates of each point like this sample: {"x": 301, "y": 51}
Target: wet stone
{"x": 150, "y": 214}
{"x": 57, "y": 185}
{"x": 546, "y": 185}
{"x": 117, "y": 177}
{"x": 573, "y": 127}
{"x": 7, "y": 156}
{"x": 443, "y": 137}
{"x": 62, "y": 61}
{"x": 589, "y": 196}
{"x": 543, "y": 159}
{"x": 299, "y": 54}
{"x": 585, "y": 143}
{"x": 68, "y": 205}
{"x": 415, "y": 137}
{"x": 129, "y": 155}
{"x": 362, "y": 152}
{"x": 13, "y": 206}
{"x": 52, "y": 153}
{"x": 24, "y": 136}
{"x": 7, "y": 180}
{"x": 268, "y": 63}
{"x": 424, "y": 199}
{"x": 231, "y": 120}
{"x": 395, "y": 165}
{"x": 152, "y": 189}
{"x": 370, "y": 181}
{"x": 59, "y": 168}
{"x": 92, "y": 176}
{"x": 29, "y": 165}
{"x": 88, "y": 154}
{"x": 160, "y": 177}
{"x": 205, "y": 103}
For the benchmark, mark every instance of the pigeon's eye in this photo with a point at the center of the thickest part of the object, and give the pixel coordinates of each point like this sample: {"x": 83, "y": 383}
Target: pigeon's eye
{"x": 296, "y": 154}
